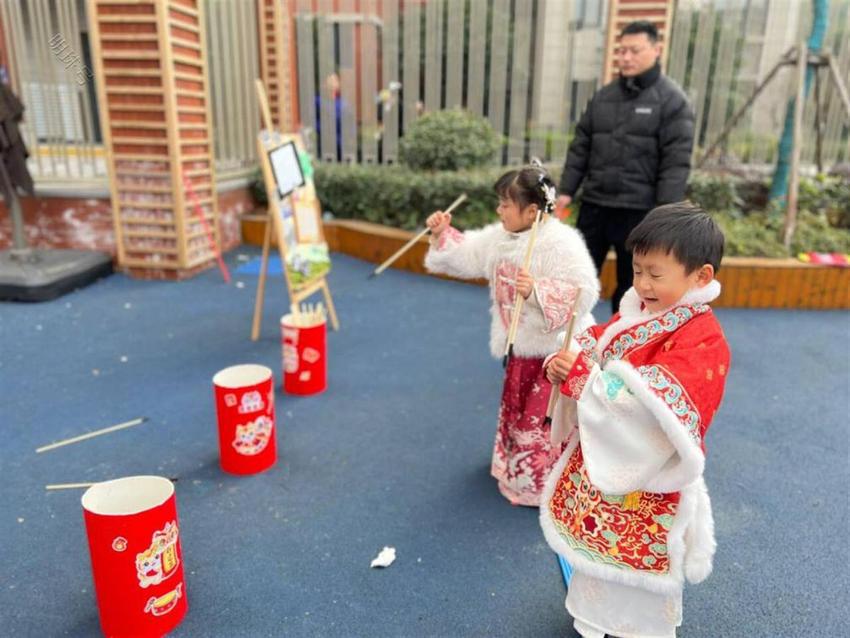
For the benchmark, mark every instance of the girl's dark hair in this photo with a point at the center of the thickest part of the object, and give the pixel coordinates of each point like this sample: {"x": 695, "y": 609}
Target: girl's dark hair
{"x": 529, "y": 185}
{"x": 683, "y": 229}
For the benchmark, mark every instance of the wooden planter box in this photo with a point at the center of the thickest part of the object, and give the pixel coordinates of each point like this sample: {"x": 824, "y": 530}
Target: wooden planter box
{"x": 748, "y": 282}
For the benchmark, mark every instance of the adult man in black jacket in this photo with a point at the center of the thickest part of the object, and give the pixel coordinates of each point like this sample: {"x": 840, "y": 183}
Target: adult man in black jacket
{"x": 632, "y": 148}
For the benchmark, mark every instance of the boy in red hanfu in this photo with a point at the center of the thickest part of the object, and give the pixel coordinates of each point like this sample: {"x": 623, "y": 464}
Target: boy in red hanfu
{"x": 626, "y": 503}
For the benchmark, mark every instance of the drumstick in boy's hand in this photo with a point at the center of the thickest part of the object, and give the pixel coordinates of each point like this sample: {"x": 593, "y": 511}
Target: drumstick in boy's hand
{"x": 555, "y": 392}
{"x": 413, "y": 240}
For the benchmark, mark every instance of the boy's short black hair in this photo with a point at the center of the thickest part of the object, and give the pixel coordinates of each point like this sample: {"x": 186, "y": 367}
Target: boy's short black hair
{"x": 641, "y": 26}
{"x": 683, "y": 229}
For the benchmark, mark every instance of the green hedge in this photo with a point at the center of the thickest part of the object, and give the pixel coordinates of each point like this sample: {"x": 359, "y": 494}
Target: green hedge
{"x": 400, "y": 197}
{"x": 449, "y": 140}
{"x": 403, "y": 198}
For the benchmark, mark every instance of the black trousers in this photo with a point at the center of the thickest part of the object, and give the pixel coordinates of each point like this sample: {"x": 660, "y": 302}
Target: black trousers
{"x": 603, "y": 227}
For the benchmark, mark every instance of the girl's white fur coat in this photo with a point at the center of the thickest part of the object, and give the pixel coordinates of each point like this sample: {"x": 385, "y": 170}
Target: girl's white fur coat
{"x": 559, "y": 253}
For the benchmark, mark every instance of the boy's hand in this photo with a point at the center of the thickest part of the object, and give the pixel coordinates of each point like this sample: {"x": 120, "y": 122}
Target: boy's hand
{"x": 559, "y": 367}
{"x": 438, "y": 222}
{"x": 524, "y": 283}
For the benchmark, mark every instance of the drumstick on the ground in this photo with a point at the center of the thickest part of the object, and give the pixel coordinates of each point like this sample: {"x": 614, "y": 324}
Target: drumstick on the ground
{"x": 509, "y": 345}
{"x": 89, "y": 435}
{"x": 415, "y": 239}
{"x": 555, "y": 392}
{"x": 79, "y": 486}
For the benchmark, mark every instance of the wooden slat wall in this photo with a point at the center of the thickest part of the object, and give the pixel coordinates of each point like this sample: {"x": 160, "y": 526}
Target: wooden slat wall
{"x": 348, "y": 83}
{"x": 740, "y": 36}
{"x": 305, "y": 55}
{"x": 477, "y": 45}
{"x": 433, "y": 54}
{"x": 500, "y": 18}
{"x": 440, "y": 64}
{"x": 368, "y": 129}
{"x": 277, "y": 30}
{"x": 391, "y": 112}
{"x": 157, "y": 122}
{"x": 193, "y": 108}
{"x": 411, "y": 16}
{"x": 327, "y": 68}
{"x": 520, "y": 66}
{"x": 454, "y": 56}
{"x": 571, "y": 107}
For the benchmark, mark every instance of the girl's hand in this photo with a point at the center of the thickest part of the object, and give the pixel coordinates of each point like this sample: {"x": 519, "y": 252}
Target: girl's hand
{"x": 559, "y": 367}
{"x": 524, "y": 283}
{"x": 438, "y": 222}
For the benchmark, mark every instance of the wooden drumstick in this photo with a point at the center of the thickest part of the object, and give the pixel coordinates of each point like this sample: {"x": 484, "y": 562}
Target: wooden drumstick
{"x": 555, "y": 392}
{"x": 509, "y": 346}
{"x": 415, "y": 239}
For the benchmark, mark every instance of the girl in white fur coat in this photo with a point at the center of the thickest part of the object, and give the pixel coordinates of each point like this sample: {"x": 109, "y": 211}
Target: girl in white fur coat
{"x": 560, "y": 267}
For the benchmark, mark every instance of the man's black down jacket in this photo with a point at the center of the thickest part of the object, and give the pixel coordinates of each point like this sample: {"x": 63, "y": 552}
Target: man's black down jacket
{"x": 633, "y": 144}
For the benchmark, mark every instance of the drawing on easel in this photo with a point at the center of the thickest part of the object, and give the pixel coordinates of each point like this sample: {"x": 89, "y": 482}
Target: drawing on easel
{"x": 307, "y": 257}
{"x": 305, "y": 261}
{"x": 286, "y": 168}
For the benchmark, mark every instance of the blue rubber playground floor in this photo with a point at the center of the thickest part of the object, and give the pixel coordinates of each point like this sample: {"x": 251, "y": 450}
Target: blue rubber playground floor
{"x": 396, "y": 452}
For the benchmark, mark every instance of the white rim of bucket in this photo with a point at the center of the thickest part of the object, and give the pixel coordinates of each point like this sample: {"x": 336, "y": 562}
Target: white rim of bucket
{"x": 287, "y": 322}
{"x": 242, "y": 376}
{"x": 128, "y": 495}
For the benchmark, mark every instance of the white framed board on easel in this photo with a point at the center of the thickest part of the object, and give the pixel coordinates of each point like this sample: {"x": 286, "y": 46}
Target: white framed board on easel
{"x": 294, "y": 217}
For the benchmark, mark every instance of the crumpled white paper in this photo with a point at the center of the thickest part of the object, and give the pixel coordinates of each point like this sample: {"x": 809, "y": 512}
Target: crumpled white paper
{"x": 385, "y": 558}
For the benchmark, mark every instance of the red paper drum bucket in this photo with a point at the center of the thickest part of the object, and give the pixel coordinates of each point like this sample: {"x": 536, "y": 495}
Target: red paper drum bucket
{"x": 305, "y": 364}
{"x": 244, "y": 401}
{"x": 137, "y": 562}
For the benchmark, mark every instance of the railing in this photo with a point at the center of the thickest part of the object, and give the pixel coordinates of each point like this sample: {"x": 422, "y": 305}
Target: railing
{"x": 50, "y": 69}
{"x": 52, "y": 73}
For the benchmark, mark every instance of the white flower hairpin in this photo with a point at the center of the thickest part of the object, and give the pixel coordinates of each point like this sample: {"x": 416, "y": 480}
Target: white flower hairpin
{"x": 546, "y": 185}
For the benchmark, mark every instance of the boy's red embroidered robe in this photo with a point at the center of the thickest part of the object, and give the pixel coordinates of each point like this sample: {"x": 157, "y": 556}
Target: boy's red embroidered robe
{"x": 626, "y": 501}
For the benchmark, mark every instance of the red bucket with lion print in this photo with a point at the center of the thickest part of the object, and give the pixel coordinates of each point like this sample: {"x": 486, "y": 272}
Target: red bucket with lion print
{"x": 136, "y": 556}
{"x": 305, "y": 365}
{"x": 244, "y": 401}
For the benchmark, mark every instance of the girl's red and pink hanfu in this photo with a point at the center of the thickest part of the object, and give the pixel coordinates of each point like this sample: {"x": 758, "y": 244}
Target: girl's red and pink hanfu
{"x": 560, "y": 267}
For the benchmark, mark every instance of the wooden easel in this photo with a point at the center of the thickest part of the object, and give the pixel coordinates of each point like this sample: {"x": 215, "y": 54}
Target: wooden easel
{"x": 297, "y": 293}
